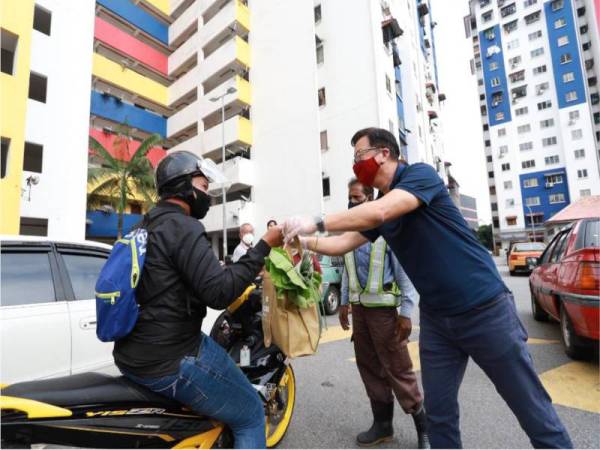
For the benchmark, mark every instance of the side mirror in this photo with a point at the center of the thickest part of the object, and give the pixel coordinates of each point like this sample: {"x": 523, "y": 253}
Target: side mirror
{"x": 532, "y": 262}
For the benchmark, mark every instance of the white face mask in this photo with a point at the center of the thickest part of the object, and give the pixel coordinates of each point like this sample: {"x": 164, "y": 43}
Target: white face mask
{"x": 248, "y": 239}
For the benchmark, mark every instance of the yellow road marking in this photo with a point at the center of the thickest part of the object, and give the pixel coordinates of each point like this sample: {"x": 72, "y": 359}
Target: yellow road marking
{"x": 337, "y": 333}
{"x": 575, "y": 385}
{"x": 534, "y": 341}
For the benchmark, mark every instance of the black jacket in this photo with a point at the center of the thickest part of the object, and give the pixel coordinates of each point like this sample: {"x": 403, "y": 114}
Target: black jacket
{"x": 181, "y": 277}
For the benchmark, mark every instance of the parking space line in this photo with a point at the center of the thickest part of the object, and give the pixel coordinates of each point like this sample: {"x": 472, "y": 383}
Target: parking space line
{"x": 575, "y": 385}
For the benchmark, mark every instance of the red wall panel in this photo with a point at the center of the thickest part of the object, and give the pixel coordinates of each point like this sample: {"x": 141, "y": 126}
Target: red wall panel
{"x": 120, "y": 152}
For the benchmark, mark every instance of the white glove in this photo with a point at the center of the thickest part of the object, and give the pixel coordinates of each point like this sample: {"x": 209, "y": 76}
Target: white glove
{"x": 298, "y": 225}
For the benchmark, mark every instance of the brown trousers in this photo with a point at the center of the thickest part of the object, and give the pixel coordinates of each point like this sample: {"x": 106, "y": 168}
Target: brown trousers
{"x": 383, "y": 362}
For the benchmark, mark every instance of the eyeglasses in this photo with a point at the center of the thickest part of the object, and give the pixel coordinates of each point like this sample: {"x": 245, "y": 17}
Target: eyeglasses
{"x": 360, "y": 153}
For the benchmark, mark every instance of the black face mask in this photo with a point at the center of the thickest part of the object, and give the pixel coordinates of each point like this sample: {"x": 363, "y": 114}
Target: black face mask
{"x": 199, "y": 205}
{"x": 354, "y": 205}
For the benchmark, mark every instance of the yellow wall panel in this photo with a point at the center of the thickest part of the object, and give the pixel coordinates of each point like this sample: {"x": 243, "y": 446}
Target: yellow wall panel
{"x": 161, "y": 5}
{"x": 129, "y": 80}
{"x": 245, "y": 130}
{"x": 242, "y": 51}
{"x": 242, "y": 14}
{"x": 244, "y": 92}
{"x": 16, "y": 16}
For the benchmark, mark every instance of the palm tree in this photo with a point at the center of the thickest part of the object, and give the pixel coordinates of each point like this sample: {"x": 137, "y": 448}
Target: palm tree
{"x": 118, "y": 179}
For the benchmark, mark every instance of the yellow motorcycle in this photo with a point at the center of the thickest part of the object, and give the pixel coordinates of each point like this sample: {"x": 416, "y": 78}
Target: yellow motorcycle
{"x": 101, "y": 411}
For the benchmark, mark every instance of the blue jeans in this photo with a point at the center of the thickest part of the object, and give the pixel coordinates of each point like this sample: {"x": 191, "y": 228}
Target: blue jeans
{"x": 494, "y": 337}
{"x": 211, "y": 384}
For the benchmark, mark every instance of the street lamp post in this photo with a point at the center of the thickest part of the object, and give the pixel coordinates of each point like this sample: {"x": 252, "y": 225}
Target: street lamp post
{"x": 532, "y": 222}
{"x": 221, "y": 97}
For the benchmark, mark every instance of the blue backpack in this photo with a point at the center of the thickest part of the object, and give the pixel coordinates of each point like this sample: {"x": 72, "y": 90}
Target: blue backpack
{"x": 116, "y": 305}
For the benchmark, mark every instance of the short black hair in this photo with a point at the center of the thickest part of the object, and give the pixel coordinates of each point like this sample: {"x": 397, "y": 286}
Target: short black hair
{"x": 367, "y": 190}
{"x": 272, "y": 221}
{"x": 378, "y": 137}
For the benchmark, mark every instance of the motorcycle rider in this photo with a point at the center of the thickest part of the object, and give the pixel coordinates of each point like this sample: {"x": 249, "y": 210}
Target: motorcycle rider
{"x": 166, "y": 351}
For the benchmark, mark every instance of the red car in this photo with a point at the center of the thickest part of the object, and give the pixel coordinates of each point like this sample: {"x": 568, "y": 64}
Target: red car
{"x": 565, "y": 286}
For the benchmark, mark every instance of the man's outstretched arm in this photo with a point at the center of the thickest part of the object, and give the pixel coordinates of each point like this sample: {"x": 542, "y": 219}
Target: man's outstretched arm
{"x": 335, "y": 245}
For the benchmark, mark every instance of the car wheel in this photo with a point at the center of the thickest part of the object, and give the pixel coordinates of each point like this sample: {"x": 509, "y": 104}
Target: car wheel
{"x": 575, "y": 346}
{"x": 332, "y": 300}
{"x": 538, "y": 313}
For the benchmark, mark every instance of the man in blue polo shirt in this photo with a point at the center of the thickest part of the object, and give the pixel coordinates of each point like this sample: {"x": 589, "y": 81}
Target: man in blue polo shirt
{"x": 466, "y": 309}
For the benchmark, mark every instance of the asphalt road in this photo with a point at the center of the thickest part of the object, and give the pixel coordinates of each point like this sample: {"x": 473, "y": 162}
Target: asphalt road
{"x": 332, "y": 406}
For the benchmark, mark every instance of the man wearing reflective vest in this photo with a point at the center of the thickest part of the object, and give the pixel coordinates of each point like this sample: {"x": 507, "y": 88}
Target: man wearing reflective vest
{"x": 375, "y": 285}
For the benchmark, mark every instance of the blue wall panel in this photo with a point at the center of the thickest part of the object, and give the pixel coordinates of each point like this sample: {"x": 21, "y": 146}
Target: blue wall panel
{"x": 489, "y": 75}
{"x": 541, "y": 191}
{"x": 113, "y": 109}
{"x": 569, "y": 30}
{"x": 105, "y": 225}
{"x": 138, "y": 17}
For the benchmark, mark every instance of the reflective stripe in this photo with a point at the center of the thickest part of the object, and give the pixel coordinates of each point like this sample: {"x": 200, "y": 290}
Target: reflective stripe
{"x": 373, "y": 295}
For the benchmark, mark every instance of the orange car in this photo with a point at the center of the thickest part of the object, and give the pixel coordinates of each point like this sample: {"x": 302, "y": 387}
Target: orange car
{"x": 518, "y": 254}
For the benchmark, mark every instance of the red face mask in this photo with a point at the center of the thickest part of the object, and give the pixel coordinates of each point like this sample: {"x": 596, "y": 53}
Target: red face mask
{"x": 366, "y": 170}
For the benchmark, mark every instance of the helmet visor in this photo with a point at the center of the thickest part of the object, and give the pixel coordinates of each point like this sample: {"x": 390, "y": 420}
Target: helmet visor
{"x": 215, "y": 176}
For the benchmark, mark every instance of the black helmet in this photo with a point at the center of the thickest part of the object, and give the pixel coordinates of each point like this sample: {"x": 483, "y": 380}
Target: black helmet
{"x": 175, "y": 171}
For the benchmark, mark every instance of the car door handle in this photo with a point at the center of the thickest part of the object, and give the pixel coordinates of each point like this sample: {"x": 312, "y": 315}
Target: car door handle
{"x": 87, "y": 324}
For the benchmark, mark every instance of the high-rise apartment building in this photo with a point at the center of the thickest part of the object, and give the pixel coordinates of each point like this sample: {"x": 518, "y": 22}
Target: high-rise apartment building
{"x": 537, "y": 69}
{"x": 281, "y": 85}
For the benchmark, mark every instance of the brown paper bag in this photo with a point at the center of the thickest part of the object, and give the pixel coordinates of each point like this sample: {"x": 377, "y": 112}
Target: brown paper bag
{"x": 296, "y": 331}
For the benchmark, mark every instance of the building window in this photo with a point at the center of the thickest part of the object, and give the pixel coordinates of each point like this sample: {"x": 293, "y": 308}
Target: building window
{"x": 511, "y": 45}
{"x": 494, "y": 206}
{"x": 517, "y": 76}
{"x": 515, "y": 61}
{"x": 505, "y": 167}
{"x": 535, "y": 35}
{"x": 510, "y": 202}
{"x": 497, "y": 98}
{"x": 501, "y": 132}
{"x": 488, "y": 158}
{"x": 326, "y": 187}
{"x": 544, "y": 105}
{"x": 563, "y": 40}
{"x": 510, "y": 26}
{"x": 32, "y": 158}
{"x": 493, "y": 66}
{"x": 577, "y": 135}
{"x": 537, "y": 52}
{"x": 540, "y": 69}
{"x": 503, "y": 150}
{"x": 317, "y": 13}
{"x": 42, "y": 20}
{"x": 4, "y": 156}
{"x": 495, "y": 82}
{"x": 530, "y": 182}
{"x": 586, "y": 46}
{"x": 533, "y": 17}
{"x": 511, "y": 221}
{"x": 582, "y": 173}
{"x": 574, "y": 115}
{"x": 508, "y": 185}
{"x": 571, "y": 96}
{"x": 38, "y": 85}
{"x": 490, "y": 34}
{"x": 500, "y": 116}
{"x": 31, "y": 226}
{"x": 522, "y": 111}
{"x": 320, "y": 52}
{"x": 551, "y": 180}
{"x": 490, "y": 174}
{"x": 532, "y": 201}
{"x": 547, "y": 123}
{"x": 8, "y": 42}
{"x": 488, "y": 143}
{"x": 542, "y": 87}
{"x": 492, "y": 190}
{"x": 566, "y": 58}
{"x": 580, "y": 153}
{"x": 550, "y": 160}
{"x": 486, "y": 17}
{"x": 524, "y": 129}
{"x": 568, "y": 77}
{"x": 547, "y": 142}
{"x": 528, "y": 164}
{"x": 322, "y": 99}
{"x": 388, "y": 84}
{"x": 557, "y": 4}
{"x": 585, "y": 192}
{"x": 559, "y": 23}
{"x": 557, "y": 198}
{"x": 324, "y": 141}
{"x": 508, "y": 10}
{"x": 528, "y": 3}
{"x": 526, "y": 146}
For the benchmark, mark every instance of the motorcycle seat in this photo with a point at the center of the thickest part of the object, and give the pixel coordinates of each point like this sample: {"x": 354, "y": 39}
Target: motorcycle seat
{"x": 87, "y": 389}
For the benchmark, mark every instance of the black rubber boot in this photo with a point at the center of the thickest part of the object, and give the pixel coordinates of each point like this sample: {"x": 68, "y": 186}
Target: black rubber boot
{"x": 382, "y": 429}
{"x": 420, "y": 418}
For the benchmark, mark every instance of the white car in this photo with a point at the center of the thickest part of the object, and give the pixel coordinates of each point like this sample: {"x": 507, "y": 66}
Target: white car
{"x": 48, "y": 309}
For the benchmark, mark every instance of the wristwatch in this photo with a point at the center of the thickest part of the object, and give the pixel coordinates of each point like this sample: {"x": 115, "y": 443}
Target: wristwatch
{"x": 320, "y": 223}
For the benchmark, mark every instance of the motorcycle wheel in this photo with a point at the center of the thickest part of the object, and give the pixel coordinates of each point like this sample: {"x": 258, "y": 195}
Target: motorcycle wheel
{"x": 278, "y": 422}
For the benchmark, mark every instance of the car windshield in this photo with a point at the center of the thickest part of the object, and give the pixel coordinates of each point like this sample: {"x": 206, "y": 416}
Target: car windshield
{"x": 529, "y": 247}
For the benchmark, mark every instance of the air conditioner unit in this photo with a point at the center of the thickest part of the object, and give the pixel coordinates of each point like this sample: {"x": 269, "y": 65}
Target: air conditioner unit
{"x": 540, "y": 91}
